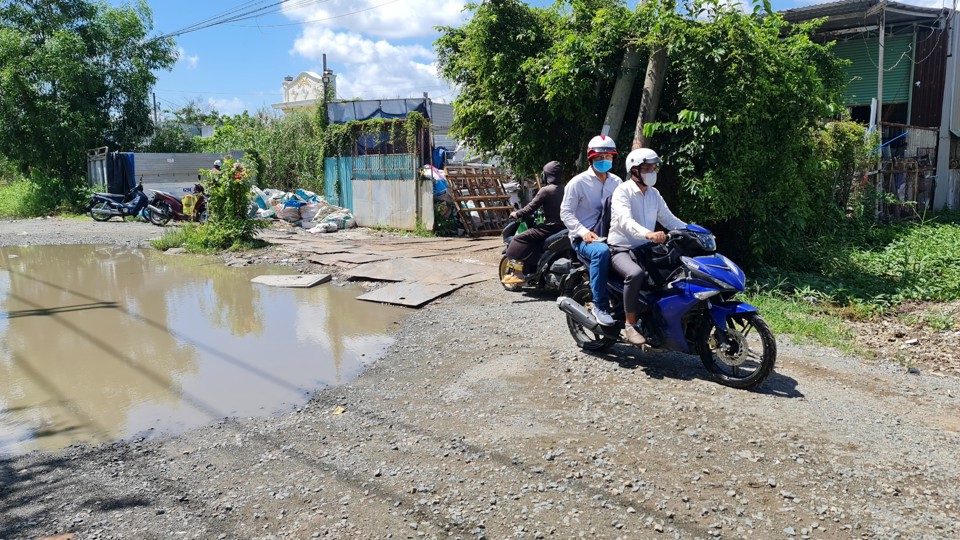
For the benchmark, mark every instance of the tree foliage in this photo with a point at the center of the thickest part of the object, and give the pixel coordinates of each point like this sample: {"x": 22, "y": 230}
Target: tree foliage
{"x": 747, "y": 94}
{"x": 531, "y": 80}
{"x": 74, "y": 74}
{"x": 744, "y": 99}
{"x": 288, "y": 149}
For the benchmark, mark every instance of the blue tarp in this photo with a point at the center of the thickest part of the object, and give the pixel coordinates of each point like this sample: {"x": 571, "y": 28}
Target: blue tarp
{"x": 121, "y": 173}
{"x": 345, "y": 111}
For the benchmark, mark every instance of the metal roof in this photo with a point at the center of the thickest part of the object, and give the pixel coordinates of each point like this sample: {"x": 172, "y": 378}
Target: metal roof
{"x": 847, "y": 14}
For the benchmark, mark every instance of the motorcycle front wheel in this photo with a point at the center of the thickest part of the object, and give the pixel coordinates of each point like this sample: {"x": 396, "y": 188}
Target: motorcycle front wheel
{"x": 100, "y": 211}
{"x": 587, "y": 339}
{"x": 162, "y": 217}
{"x": 750, "y": 355}
{"x": 505, "y": 270}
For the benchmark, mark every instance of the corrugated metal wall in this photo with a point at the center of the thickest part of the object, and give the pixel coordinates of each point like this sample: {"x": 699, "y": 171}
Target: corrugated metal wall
{"x": 440, "y": 124}
{"x": 863, "y": 52}
{"x": 928, "y": 79}
{"x": 174, "y": 173}
{"x": 381, "y": 190}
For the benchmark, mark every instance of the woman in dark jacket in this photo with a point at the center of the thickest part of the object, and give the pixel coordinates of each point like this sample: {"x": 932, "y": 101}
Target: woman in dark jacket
{"x": 526, "y": 247}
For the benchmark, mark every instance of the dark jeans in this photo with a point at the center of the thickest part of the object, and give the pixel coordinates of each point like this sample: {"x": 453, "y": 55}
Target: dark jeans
{"x": 527, "y": 246}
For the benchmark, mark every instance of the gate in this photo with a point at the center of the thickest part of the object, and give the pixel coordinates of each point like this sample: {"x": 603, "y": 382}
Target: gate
{"x": 381, "y": 190}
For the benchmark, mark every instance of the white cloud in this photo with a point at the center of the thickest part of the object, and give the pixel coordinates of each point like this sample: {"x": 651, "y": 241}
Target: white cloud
{"x": 190, "y": 61}
{"x": 372, "y": 69}
{"x": 227, "y": 106}
{"x": 383, "y": 18}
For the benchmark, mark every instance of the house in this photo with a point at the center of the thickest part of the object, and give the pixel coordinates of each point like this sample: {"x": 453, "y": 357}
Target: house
{"x": 902, "y": 79}
{"x": 306, "y": 90}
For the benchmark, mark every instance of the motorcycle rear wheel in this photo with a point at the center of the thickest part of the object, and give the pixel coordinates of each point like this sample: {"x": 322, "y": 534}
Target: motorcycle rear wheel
{"x": 505, "y": 270}
{"x": 101, "y": 211}
{"x": 163, "y": 216}
{"x": 752, "y": 355}
{"x": 587, "y": 339}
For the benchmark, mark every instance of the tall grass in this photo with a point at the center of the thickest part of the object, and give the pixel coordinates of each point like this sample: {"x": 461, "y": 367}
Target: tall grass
{"x": 37, "y": 195}
{"x": 864, "y": 277}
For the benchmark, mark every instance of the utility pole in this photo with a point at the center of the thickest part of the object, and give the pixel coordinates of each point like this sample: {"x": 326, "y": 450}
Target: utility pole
{"x": 156, "y": 118}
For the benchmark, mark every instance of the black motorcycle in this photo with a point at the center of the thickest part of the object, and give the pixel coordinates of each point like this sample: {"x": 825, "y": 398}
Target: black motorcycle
{"x": 553, "y": 267}
{"x": 104, "y": 206}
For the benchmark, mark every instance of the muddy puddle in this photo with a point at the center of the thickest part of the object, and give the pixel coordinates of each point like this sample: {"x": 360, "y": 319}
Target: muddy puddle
{"x": 99, "y": 343}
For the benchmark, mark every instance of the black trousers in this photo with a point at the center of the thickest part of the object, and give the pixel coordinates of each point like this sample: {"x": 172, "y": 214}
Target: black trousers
{"x": 527, "y": 247}
{"x": 632, "y": 267}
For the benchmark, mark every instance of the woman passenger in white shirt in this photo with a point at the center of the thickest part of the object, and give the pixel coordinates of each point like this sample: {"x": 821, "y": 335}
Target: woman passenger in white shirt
{"x": 635, "y": 210}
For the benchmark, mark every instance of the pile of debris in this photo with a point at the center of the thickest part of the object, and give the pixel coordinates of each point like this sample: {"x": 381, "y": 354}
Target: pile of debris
{"x": 303, "y": 208}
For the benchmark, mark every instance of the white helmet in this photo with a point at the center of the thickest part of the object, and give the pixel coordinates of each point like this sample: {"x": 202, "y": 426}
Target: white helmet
{"x": 601, "y": 144}
{"x": 217, "y": 163}
{"x": 639, "y": 157}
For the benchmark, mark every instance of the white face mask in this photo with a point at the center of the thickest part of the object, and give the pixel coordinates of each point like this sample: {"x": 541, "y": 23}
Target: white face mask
{"x": 649, "y": 178}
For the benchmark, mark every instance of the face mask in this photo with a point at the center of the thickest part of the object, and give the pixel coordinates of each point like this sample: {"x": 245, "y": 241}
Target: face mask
{"x": 649, "y": 178}
{"x": 602, "y": 165}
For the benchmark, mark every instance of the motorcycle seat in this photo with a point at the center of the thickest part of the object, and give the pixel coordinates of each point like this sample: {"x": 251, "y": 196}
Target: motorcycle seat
{"x": 112, "y": 196}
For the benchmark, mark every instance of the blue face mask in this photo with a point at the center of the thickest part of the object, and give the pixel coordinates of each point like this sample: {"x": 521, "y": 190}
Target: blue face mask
{"x": 603, "y": 165}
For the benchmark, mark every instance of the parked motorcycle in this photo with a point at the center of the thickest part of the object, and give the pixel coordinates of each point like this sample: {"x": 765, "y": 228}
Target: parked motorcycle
{"x": 166, "y": 206}
{"x": 554, "y": 265}
{"x": 690, "y": 308}
{"x": 104, "y": 206}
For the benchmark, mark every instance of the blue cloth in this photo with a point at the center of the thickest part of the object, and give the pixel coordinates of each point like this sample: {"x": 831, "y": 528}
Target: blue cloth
{"x": 439, "y": 157}
{"x": 598, "y": 254}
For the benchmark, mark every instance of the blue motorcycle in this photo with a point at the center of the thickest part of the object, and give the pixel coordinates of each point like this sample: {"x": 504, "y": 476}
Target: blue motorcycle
{"x": 693, "y": 310}
{"x": 104, "y": 206}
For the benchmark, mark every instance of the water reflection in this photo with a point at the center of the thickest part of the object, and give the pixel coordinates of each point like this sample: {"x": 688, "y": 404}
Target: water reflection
{"x": 99, "y": 343}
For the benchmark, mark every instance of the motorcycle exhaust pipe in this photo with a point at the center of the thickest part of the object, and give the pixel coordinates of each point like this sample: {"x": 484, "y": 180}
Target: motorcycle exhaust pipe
{"x": 153, "y": 209}
{"x": 579, "y": 313}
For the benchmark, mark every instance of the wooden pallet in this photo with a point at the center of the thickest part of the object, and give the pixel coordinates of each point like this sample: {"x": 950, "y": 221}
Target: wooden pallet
{"x": 482, "y": 204}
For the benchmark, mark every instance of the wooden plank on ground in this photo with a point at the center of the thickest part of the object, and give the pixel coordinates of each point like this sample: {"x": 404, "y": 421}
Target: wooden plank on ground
{"x": 297, "y": 280}
{"x": 410, "y": 294}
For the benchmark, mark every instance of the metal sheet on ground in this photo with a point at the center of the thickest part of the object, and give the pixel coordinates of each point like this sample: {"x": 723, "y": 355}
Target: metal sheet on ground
{"x": 345, "y": 258}
{"x": 327, "y": 249}
{"x": 299, "y": 280}
{"x": 407, "y": 269}
{"x": 409, "y": 294}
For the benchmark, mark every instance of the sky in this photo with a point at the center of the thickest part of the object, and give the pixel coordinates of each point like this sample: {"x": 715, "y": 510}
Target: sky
{"x": 379, "y": 49}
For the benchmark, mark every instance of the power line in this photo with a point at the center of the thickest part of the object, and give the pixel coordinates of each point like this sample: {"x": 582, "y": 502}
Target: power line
{"x": 320, "y": 20}
{"x": 245, "y": 11}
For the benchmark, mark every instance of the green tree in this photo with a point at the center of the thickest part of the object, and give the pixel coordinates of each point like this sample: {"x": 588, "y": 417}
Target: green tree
{"x": 169, "y": 137}
{"x": 287, "y": 149}
{"x": 744, "y": 98}
{"x": 534, "y": 82}
{"x": 74, "y": 74}
{"x": 196, "y": 113}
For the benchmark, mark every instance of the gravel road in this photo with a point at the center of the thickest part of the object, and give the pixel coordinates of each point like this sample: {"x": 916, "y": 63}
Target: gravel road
{"x": 473, "y": 426}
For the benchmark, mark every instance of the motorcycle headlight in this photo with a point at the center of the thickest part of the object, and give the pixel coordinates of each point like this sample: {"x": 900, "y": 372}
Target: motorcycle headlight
{"x": 707, "y": 241}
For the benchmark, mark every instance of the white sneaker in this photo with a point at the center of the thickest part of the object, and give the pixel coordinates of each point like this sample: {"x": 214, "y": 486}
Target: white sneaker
{"x": 634, "y": 337}
{"x": 602, "y": 316}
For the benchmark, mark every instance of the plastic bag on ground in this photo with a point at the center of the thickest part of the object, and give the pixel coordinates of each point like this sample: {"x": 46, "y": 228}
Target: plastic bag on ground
{"x": 309, "y": 211}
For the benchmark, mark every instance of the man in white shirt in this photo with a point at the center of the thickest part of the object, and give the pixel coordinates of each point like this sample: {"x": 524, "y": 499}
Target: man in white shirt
{"x": 635, "y": 210}
{"x": 582, "y": 213}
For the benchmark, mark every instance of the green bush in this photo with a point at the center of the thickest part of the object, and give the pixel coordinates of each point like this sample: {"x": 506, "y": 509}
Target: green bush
{"x": 228, "y": 206}
{"x": 37, "y": 195}
{"x": 287, "y": 149}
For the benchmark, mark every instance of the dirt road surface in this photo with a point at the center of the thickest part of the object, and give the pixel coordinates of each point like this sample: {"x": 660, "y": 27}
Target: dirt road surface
{"x": 483, "y": 420}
